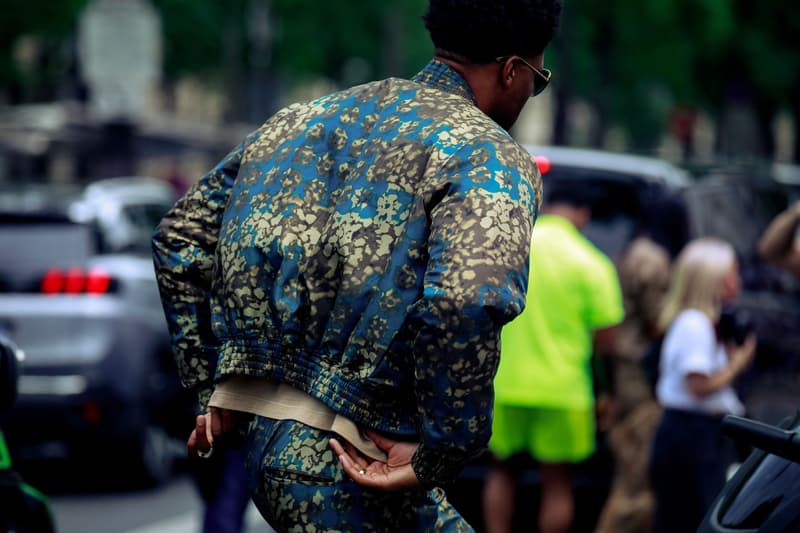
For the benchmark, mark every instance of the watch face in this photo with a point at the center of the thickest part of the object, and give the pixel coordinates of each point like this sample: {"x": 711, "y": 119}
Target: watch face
{"x": 769, "y": 491}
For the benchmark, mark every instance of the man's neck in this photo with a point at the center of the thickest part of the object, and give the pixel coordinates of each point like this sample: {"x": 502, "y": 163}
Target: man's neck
{"x": 567, "y": 212}
{"x": 472, "y": 74}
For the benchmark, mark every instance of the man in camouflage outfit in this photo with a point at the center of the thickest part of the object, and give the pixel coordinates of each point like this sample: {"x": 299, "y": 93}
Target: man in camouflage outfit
{"x": 343, "y": 275}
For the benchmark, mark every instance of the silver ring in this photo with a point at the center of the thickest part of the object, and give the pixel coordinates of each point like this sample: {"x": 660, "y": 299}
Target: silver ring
{"x": 206, "y": 455}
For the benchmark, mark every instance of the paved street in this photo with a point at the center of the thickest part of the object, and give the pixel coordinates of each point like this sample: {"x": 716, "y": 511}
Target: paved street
{"x": 173, "y": 508}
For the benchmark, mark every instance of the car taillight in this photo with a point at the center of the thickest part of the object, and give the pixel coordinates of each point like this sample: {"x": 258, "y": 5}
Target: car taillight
{"x": 75, "y": 281}
{"x": 98, "y": 283}
{"x": 543, "y": 163}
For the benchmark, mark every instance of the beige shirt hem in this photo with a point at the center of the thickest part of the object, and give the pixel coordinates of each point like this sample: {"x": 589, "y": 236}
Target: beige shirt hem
{"x": 280, "y": 401}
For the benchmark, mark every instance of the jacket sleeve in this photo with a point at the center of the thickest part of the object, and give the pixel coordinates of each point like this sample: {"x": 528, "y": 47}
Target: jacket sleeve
{"x": 482, "y": 214}
{"x": 184, "y": 245}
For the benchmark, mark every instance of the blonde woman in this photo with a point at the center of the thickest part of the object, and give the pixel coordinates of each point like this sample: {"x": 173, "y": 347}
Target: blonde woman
{"x": 687, "y": 465}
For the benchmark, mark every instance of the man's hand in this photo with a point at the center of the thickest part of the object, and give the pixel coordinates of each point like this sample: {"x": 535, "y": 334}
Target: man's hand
{"x": 605, "y": 411}
{"x": 742, "y": 356}
{"x": 212, "y": 425}
{"x": 394, "y": 474}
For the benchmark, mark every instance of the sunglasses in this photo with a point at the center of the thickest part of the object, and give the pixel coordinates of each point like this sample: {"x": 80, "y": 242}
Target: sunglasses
{"x": 541, "y": 78}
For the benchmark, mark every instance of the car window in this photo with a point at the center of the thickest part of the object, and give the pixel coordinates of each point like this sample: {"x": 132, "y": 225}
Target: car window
{"x": 38, "y": 245}
{"x": 145, "y": 216}
{"x": 129, "y": 227}
{"x": 142, "y": 220}
{"x": 614, "y": 209}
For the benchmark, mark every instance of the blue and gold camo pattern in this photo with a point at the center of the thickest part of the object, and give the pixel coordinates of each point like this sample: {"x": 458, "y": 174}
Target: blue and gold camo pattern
{"x": 298, "y": 485}
{"x": 366, "y": 248}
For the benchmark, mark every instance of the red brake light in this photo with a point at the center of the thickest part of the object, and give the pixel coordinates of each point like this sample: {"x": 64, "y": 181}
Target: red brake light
{"x": 97, "y": 282}
{"x": 92, "y": 412}
{"x": 543, "y": 163}
{"x": 52, "y": 282}
{"x": 75, "y": 281}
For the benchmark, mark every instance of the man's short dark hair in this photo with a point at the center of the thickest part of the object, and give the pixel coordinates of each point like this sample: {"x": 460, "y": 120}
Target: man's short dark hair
{"x": 571, "y": 192}
{"x": 482, "y": 30}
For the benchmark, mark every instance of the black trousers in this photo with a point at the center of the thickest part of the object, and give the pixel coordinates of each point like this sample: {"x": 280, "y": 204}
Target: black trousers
{"x": 687, "y": 469}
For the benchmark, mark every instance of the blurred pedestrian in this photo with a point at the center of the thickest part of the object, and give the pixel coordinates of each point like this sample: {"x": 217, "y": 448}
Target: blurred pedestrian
{"x": 780, "y": 243}
{"x": 177, "y": 179}
{"x": 697, "y": 370}
{"x": 644, "y": 272}
{"x": 544, "y": 402}
{"x": 221, "y": 481}
{"x": 343, "y": 275}
{"x": 23, "y": 509}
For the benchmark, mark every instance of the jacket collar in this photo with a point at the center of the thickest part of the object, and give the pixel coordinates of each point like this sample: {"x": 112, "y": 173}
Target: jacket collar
{"x": 440, "y": 76}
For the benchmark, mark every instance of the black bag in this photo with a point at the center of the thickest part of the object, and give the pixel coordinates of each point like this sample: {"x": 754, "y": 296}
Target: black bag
{"x": 23, "y": 509}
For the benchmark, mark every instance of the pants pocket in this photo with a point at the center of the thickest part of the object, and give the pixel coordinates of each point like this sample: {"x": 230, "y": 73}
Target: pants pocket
{"x": 291, "y": 451}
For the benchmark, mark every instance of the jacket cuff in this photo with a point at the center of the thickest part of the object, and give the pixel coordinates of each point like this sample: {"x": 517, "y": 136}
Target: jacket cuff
{"x": 203, "y": 397}
{"x": 437, "y": 467}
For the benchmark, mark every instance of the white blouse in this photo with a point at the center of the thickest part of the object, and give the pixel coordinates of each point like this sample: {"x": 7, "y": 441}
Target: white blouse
{"x": 691, "y": 346}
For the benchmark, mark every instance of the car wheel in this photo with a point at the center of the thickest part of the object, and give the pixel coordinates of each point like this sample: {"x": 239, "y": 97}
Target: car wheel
{"x": 156, "y": 457}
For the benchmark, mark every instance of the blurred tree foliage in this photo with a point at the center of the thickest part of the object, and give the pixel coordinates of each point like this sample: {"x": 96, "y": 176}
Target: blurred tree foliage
{"x": 307, "y": 37}
{"x": 634, "y": 61}
{"x": 51, "y": 22}
{"x": 766, "y": 60}
{"x": 637, "y": 62}
{"x": 194, "y": 34}
{"x": 387, "y": 35}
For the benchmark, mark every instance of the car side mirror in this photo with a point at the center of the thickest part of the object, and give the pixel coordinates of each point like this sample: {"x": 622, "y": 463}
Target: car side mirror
{"x": 10, "y": 356}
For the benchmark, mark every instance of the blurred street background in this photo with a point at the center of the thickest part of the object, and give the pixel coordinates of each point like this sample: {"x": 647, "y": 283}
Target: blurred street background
{"x": 163, "y": 87}
{"x": 157, "y": 91}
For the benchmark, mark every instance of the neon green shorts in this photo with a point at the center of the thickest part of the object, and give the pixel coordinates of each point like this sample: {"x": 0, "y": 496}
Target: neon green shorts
{"x": 550, "y": 435}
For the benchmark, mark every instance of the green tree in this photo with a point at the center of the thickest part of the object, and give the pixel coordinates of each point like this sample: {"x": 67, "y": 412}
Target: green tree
{"x": 194, "y": 34}
{"x": 765, "y": 53}
{"x": 316, "y": 37}
{"x": 346, "y": 42}
{"x": 50, "y": 23}
{"x": 635, "y": 61}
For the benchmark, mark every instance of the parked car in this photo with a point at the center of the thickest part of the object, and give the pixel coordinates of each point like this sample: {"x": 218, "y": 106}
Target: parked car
{"x": 623, "y": 185}
{"x": 78, "y": 294}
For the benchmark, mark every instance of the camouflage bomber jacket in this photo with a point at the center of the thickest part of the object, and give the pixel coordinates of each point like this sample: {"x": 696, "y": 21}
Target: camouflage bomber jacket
{"x": 366, "y": 248}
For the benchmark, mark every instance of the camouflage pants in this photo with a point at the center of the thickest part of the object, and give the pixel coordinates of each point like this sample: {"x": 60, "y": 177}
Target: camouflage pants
{"x": 630, "y": 505}
{"x": 298, "y": 485}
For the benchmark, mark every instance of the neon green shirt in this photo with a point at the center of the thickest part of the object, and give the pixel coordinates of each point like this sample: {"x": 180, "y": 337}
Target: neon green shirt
{"x": 546, "y": 350}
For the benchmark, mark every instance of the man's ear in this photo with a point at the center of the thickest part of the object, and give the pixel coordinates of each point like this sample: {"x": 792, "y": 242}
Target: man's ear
{"x": 506, "y": 73}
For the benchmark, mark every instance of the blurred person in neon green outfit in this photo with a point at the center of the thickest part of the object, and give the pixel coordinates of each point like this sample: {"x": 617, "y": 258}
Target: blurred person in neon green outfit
{"x": 544, "y": 401}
